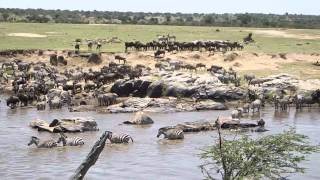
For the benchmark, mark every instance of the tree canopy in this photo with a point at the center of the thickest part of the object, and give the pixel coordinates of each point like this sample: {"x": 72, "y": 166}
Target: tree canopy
{"x": 196, "y": 19}
{"x": 272, "y": 156}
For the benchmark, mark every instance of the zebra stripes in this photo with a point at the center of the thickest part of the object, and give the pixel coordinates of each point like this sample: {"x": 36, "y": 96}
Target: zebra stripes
{"x": 74, "y": 141}
{"x": 45, "y": 144}
{"x": 120, "y": 139}
{"x": 171, "y": 133}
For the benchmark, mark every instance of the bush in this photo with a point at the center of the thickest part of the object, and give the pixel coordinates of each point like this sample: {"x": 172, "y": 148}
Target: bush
{"x": 268, "y": 157}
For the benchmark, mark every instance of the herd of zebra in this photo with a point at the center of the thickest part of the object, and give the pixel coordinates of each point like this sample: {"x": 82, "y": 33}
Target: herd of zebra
{"x": 121, "y": 138}
{"x": 63, "y": 140}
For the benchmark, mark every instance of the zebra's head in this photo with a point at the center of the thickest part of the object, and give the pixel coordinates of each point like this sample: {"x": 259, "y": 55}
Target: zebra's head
{"x": 162, "y": 131}
{"x": 34, "y": 140}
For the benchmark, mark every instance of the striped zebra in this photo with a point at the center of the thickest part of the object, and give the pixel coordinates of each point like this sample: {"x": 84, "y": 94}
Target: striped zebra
{"x": 171, "y": 133}
{"x": 45, "y": 144}
{"x": 75, "y": 141}
{"x": 120, "y": 138}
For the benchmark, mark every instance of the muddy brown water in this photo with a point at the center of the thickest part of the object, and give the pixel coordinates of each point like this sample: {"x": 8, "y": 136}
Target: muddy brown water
{"x": 147, "y": 158}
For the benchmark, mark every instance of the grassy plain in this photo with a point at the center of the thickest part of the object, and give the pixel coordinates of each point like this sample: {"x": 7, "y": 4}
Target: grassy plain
{"x": 61, "y": 36}
{"x": 302, "y": 45}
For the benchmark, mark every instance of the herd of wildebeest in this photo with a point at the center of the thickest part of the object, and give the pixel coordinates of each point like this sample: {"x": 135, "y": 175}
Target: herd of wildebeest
{"x": 40, "y": 83}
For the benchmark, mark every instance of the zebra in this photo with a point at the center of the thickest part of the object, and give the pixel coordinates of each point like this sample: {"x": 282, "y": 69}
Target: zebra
{"x": 45, "y": 144}
{"x": 75, "y": 141}
{"x": 171, "y": 133}
{"x": 120, "y": 138}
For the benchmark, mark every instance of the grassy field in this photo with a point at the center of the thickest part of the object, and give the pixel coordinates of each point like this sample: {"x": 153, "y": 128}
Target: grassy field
{"x": 61, "y": 36}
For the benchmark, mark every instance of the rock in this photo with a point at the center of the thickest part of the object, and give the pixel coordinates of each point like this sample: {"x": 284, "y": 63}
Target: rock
{"x": 156, "y": 89}
{"x": 124, "y": 88}
{"x": 177, "y": 90}
{"x": 140, "y": 118}
{"x": 65, "y": 125}
{"x": 139, "y": 103}
{"x": 196, "y": 126}
{"x": 225, "y": 93}
{"x": 118, "y": 109}
{"x": 82, "y": 108}
{"x": 210, "y": 105}
{"x": 207, "y": 80}
{"x": 229, "y": 123}
{"x": 78, "y": 125}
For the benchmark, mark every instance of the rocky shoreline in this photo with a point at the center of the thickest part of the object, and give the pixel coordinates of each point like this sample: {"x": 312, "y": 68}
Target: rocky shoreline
{"x": 170, "y": 86}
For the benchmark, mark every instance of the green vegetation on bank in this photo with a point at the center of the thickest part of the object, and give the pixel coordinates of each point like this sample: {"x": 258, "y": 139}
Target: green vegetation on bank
{"x": 61, "y": 36}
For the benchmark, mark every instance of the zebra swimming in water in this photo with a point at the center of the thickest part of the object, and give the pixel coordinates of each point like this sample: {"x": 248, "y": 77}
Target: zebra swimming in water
{"x": 75, "y": 141}
{"x": 171, "y": 133}
{"x": 45, "y": 144}
{"x": 120, "y": 138}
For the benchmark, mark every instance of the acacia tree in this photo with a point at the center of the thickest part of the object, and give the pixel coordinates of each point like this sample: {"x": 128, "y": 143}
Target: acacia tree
{"x": 272, "y": 156}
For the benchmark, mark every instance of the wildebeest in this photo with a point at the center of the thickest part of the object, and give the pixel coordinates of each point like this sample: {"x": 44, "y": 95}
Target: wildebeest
{"x": 236, "y": 114}
{"x": 12, "y": 101}
{"x": 55, "y": 103}
{"x": 249, "y": 77}
{"x": 159, "y": 52}
{"x": 201, "y": 65}
{"x": 256, "y": 105}
{"x": 41, "y": 106}
{"x": 120, "y": 58}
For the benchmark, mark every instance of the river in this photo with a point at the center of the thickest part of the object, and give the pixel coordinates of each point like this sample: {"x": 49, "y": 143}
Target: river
{"x": 147, "y": 158}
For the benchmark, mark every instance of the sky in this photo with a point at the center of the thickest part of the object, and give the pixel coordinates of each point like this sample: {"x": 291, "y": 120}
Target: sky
{"x": 184, "y": 6}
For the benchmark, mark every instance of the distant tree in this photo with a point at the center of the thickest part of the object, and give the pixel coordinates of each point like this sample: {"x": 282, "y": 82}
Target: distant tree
{"x": 245, "y": 19}
{"x": 208, "y": 20}
{"x": 168, "y": 18}
{"x": 5, "y": 16}
{"x": 270, "y": 157}
{"x": 153, "y": 21}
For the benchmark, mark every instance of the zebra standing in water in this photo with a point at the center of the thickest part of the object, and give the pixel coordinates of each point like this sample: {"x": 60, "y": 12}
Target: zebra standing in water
{"x": 45, "y": 144}
{"x": 120, "y": 138}
{"x": 171, "y": 133}
{"x": 75, "y": 141}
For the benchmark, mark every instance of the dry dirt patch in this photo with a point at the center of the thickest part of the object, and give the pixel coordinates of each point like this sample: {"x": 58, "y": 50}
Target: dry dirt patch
{"x": 31, "y": 35}
{"x": 284, "y": 34}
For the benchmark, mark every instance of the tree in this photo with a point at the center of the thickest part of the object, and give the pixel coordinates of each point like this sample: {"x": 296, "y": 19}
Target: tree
{"x": 271, "y": 156}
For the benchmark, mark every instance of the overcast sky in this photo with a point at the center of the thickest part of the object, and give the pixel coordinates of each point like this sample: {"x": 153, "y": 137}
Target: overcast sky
{"x": 184, "y": 6}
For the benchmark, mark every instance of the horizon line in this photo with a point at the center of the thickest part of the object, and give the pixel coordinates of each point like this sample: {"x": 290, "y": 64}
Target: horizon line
{"x": 159, "y": 12}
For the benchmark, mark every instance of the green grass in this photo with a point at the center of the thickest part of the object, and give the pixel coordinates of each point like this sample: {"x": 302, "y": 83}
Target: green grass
{"x": 67, "y": 33}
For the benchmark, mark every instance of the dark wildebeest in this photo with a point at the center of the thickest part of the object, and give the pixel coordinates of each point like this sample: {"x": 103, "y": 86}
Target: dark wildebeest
{"x": 12, "y": 101}
{"x": 120, "y": 58}
{"x": 77, "y": 48}
{"x": 99, "y": 45}
{"x": 200, "y": 65}
{"x": 159, "y": 52}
